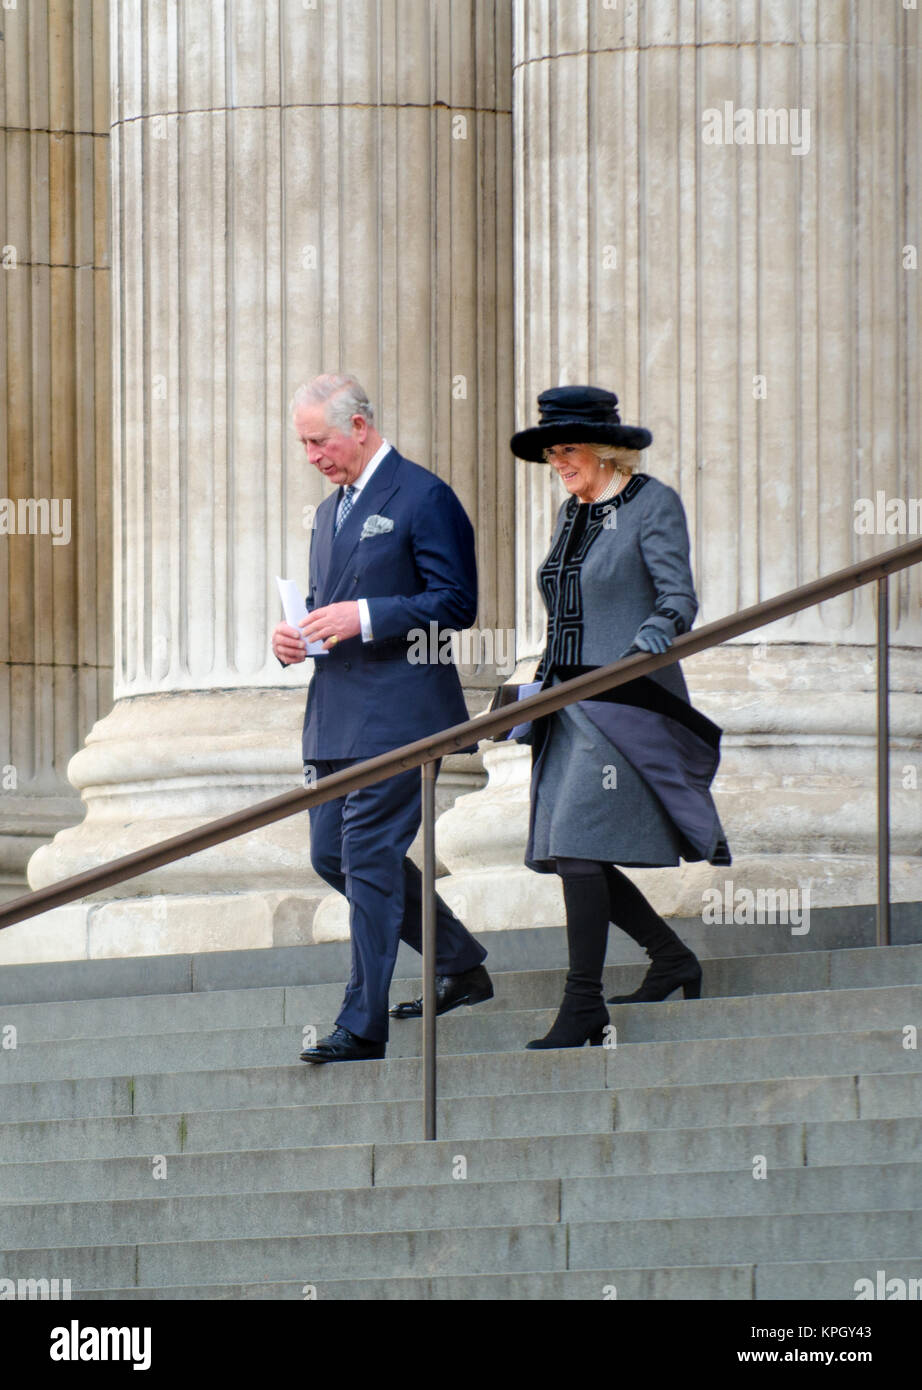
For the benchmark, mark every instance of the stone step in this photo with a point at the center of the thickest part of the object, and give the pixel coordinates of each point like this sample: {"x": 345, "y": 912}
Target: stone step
{"x": 302, "y": 1126}
{"x": 731, "y": 1282}
{"x": 224, "y": 1010}
{"x": 335, "y": 1211}
{"x": 804, "y": 1281}
{"x": 839, "y": 1279}
{"x": 471, "y": 1030}
{"x": 784, "y": 973}
{"x": 713, "y": 1241}
{"x": 840, "y": 1188}
{"x": 631, "y": 1065}
{"x": 872, "y": 1236}
{"x": 753, "y": 1102}
{"x": 458, "y": 1250}
{"x": 246, "y": 1215}
{"x": 152, "y": 1014}
{"x": 759, "y": 1058}
{"x": 194, "y": 1174}
{"x": 788, "y": 1100}
{"x": 821, "y": 1011}
{"x": 654, "y": 1151}
{"x": 624, "y": 1169}
{"x": 524, "y": 948}
{"x": 657, "y": 1151}
{"x": 299, "y": 1083}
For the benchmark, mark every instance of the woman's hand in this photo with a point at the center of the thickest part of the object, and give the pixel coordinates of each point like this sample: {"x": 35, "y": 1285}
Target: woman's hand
{"x": 649, "y": 639}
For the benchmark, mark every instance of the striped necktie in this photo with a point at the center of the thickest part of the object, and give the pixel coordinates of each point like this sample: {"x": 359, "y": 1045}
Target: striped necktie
{"x": 345, "y": 507}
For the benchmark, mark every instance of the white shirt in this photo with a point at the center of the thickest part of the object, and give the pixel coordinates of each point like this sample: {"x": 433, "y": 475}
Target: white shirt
{"x": 361, "y": 480}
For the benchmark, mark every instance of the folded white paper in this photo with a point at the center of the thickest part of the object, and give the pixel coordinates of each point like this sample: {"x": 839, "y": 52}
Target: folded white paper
{"x": 294, "y": 608}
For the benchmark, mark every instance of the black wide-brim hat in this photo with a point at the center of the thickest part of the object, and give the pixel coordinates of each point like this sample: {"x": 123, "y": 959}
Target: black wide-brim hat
{"x": 577, "y": 415}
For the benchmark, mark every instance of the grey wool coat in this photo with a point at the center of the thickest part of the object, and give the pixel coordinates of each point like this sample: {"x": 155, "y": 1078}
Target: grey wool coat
{"x": 623, "y": 778}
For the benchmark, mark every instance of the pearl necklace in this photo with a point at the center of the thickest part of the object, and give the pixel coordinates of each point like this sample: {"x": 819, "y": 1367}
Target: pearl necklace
{"x": 614, "y": 487}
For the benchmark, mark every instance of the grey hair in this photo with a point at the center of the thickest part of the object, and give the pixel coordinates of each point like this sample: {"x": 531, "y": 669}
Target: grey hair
{"x": 342, "y": 394}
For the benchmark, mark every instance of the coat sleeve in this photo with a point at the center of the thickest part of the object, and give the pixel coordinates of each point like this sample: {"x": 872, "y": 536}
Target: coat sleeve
{"x": 665, "y": 548}
{"x": 443, "y": 551}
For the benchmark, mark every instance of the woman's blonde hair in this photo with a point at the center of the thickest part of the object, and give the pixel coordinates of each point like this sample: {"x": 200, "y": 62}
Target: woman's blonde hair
{"x": 625, "y": 460}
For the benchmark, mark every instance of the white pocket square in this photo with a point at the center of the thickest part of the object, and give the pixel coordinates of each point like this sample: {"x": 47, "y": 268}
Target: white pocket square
{"x": 376, "y": 526}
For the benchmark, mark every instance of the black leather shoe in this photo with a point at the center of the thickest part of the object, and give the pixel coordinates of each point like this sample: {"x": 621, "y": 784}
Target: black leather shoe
{"x": 343, "y": 1046}
{"x": 451, "y": 991}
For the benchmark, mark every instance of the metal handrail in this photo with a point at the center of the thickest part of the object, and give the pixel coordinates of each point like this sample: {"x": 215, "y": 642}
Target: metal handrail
{"x": 427, "y": 751}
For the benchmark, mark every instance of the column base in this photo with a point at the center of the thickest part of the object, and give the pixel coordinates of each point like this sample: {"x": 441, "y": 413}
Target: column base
{"x": 757, "y": 888}
{"x": 27, "y": 822}
{"x": 180, "y": 924}
{"x": 161, "y": 764}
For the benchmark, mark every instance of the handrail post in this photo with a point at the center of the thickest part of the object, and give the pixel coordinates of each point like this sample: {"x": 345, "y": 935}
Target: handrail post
{"x": 883, "y": 764}
{"x": 428, "y": 771}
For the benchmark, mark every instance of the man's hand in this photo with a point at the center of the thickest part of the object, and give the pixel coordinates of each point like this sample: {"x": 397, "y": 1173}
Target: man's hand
{"x": 287, "y": 645}
{"x": 336, "y": 620}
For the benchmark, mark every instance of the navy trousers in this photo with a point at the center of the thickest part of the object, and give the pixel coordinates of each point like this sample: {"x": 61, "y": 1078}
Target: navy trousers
{"x": 359, "y": 844}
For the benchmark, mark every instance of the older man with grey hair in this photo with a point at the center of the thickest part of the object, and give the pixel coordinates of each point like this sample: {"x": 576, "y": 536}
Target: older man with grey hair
{"x": 392, "y": 552}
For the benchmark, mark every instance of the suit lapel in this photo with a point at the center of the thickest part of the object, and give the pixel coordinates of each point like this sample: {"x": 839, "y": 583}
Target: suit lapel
{"x": 382, "y": 484}
{"x": 321, "y": 549}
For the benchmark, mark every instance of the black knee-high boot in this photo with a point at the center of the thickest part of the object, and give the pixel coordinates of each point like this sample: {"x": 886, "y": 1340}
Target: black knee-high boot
{"x": 582, "y": 1015}
{"x": 674, "y": 965}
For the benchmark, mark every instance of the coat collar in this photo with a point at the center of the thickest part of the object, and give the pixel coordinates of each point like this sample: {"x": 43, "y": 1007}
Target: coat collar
{"x": 599, "y": 510}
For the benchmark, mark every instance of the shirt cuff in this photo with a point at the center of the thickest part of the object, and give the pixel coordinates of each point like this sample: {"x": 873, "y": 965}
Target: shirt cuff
{"x": 365, "y": 620}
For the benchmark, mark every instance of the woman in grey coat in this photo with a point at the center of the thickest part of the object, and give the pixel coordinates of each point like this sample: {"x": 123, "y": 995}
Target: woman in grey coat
{"x": 623, "y": 778}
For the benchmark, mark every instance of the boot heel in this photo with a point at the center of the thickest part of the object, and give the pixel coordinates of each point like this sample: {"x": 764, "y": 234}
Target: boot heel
{"x": 692, "y": 990}
{"x": 597, "y": 1038}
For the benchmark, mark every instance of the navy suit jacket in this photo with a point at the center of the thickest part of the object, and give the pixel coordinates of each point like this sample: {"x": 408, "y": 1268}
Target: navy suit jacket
{"x": 368, "y": 697}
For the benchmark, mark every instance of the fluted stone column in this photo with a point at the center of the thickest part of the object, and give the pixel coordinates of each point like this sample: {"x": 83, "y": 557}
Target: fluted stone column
{"x": 55, "y": 518}
{"x": 295, "y": 188}
{"x": 757, "y": 306}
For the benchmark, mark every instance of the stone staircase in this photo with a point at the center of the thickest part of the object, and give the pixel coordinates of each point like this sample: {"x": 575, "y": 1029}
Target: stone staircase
{"x": 160, "y": 1139}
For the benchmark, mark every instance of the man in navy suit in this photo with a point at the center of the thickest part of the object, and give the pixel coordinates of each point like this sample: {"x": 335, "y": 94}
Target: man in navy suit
{"x": 392, "y": 551}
